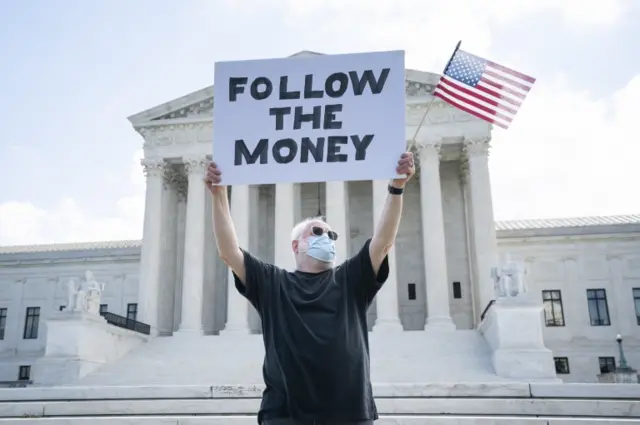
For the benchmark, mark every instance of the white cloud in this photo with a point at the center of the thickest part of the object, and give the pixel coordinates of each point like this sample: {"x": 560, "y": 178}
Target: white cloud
{"x": 26, "y": 223}
{"x": 568, "y": 154}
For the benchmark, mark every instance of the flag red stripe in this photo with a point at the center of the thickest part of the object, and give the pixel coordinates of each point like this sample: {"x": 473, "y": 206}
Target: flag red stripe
{"x": 473, "y": 103}
{"x": 498, "y": 95}
{"x": 501, "y": 87}
{"x": 470, "y": 111}
{"x": 512, "y": 72}
{"x": 477, "y": 96}
{"x": 507, "y": 80}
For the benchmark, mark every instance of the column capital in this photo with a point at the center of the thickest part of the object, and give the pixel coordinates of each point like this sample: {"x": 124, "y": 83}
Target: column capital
{"x": 473, "y": 147}
{"x": 430, "y": 148}
{"x": 177, "y": 179}
{"x": 195, "y": 164}
{"x": 153, "y": 167}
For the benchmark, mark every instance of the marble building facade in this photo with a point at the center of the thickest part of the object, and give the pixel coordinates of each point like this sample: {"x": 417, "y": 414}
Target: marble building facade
{"x": 440, "y": 277}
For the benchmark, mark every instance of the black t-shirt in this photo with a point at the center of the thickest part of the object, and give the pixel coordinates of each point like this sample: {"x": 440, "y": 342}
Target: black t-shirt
{"x": 314, "y": 327}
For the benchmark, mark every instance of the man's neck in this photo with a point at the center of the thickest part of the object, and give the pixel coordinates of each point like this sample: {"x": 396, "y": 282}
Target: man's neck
{"x": 311, "y": 265}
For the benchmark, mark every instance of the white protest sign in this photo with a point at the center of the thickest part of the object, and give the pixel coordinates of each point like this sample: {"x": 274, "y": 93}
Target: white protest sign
{"x": 311, "y": 119}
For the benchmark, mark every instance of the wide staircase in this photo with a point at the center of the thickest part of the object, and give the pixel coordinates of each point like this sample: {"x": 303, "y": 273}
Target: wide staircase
{"x": 419, "y": 378}
{"x": 409, "y": 404}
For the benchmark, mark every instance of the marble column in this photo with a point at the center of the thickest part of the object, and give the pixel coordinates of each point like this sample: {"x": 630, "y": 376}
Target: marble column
{"x": 287, "y": 213}
{"x": 433, "y": 241}
{"x": 387, "y": 309}
{"x": 193, "y": 264}
{"x": 166, "y": 301}
{"x": 484, "y": 230}
{"x": 337, "y": 206}
{"x": 237, "y": 305}
{"x": 151, "y": 252}
{"x": 621, "y": 297}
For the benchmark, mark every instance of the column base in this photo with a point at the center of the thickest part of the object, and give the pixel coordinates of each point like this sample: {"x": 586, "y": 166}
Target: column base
{"x": 235, "y": 330}
{"x": 188, "y": 333}
{"x": 388, "y": 326}
{"x": 439, "y": 324}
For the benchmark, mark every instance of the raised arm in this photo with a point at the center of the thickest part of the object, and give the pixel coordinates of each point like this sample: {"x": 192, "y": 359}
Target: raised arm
{"x": 386, "y": 229}
{"x": 225, "y": 233}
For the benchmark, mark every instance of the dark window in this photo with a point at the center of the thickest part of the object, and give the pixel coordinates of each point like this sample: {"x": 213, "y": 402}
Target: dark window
{"x": 457, "y": 290}
{"x": 3, "y": 322}
{"x": 598, "y": 308}
{"x": 24, "y": 373}
{"x": 103, "y": 308}
{"x": 132, "y": 311}
{"x": 562, "y": 365}
{"x": 411, "y": 291}
{"x": 31, "y": 323}
{"x": 62, "y": 307}
{"x": 553, "y": 314}
{"x": 607, "y": 364}
{"x": 636, "y": 301}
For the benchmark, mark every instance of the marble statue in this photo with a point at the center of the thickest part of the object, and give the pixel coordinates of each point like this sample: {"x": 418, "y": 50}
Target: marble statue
{"x": 93, "y": 293}
{"x": 85, "y": 296}
{"x": 509, "y": 279}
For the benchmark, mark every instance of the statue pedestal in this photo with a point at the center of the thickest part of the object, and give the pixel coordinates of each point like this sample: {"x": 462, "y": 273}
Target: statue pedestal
{"x": 513, "y": 330}
{"x": 77, "y": 344}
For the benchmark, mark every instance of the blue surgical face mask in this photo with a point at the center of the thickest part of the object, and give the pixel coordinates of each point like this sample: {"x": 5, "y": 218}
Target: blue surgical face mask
{"x": 321, "y": 248}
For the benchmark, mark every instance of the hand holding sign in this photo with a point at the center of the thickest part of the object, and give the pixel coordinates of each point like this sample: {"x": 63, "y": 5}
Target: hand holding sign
{"x": 213, "y": 178}
{"x": 406, "y": 167}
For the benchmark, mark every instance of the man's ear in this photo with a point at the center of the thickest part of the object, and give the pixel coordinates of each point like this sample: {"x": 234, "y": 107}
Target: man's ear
{"x": 294, "y": 246}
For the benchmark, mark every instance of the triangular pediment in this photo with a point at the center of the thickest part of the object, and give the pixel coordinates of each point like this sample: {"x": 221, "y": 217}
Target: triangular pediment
{"x": 200, "y": 103}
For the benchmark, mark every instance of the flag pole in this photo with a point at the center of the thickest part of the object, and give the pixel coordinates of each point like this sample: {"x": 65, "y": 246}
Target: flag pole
{"x": 433, "y": 98}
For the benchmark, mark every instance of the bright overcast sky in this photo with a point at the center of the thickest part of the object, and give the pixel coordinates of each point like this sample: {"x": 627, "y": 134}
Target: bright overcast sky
{"x": 73, "y": 70}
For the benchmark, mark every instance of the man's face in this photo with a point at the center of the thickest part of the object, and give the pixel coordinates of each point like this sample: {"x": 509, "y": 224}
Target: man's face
{"x": 314, "y": 228}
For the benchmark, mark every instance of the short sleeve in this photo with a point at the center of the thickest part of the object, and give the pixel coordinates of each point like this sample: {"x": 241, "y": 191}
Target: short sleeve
{"x": 258, "y": 274}
{"x": 360, "y": 275}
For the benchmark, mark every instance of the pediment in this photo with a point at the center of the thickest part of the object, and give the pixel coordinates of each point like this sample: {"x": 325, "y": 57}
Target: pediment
{"x": 199, "y": 104}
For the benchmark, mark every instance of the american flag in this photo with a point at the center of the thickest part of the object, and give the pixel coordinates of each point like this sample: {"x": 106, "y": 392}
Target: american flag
{"x": 483, "y": 88}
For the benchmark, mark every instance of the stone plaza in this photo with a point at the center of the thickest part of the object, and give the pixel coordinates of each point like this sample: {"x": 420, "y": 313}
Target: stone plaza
{"x": 472, "y": 308}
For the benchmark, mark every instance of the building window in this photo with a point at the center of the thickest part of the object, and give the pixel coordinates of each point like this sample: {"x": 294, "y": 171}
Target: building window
{"x": 607, "y": 364}
{"x": 62, "y": 307}
{"x": 411, "y": 291}
{"x": 553, "y": 313}
{"x": 457, "y": 290}
{"x": 24, "y": 373}
{"x": 562, "y": 365}
{"x": 3, "y": 322}
{"x": 636, "y": 301}
{"x": 132, "y": 311}
{"x": 103, "y": 308}
{"x": 598, "y": 308}
{"x": 31, "y": 323}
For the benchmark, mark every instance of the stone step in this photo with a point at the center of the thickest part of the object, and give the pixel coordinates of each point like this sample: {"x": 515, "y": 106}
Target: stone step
{"x": 386, "y": 406}
{"x": 402, "y": 357}
{"x": 251, "y": 420}
{"x": 511, "y": 390}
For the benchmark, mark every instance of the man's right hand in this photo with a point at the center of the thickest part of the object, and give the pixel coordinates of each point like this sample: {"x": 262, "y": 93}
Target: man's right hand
{"x": 212, "y": 179}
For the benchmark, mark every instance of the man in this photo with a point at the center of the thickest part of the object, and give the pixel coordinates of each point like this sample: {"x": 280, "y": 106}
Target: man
{"x": 316, "y": 366}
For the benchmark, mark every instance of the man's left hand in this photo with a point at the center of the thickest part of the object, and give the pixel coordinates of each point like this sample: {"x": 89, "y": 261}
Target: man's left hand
{"x": 407, "y": 167}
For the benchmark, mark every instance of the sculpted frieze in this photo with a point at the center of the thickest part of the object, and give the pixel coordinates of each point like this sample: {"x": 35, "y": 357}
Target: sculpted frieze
{"x": 180, "y": 134}
{"x": 201, "y": 108}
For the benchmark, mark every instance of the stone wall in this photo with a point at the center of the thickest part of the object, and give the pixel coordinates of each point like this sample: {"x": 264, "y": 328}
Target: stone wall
{"x": 40, "y": 280}
{"x": 572, "y": 263}
{"x": 571, "y": 260}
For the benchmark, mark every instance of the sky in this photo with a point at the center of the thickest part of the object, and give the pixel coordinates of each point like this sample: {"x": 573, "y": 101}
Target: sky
{"x": 73, "y": 70}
